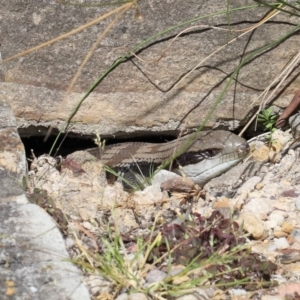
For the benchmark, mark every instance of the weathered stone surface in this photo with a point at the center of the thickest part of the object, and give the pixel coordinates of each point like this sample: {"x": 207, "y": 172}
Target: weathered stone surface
{"x": 33, "y": 258}
{"x": 133, "y": 97}
{"x": 10, "y": 187}
{"x": 12, "y": 154}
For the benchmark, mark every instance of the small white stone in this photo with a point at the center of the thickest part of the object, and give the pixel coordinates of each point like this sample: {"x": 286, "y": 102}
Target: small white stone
{"x": 259, "y": 207}
{"x": 88, "y": 225}
{"x": 249, "y": 185}
{"x": 122, "y": 297}
{"x": 69, "y": 243}
{"x": 21, "y": 199}
{"x": 33, "y": 289}
{"x": 281, "y": 243}
{"x": 269, "y": 297}
{"x": 155, "y": 276}
{"x": 282, "y": 136}
{"x": 271, "y": 248}
{"x": 277, "y": 218}
{"x": 188, "y": 297}
{"x": 237, "y": 292}
{"x": 162, "y": 176}
{"x": 270, "y": 224}
{"x": 253, "y": 225}
{"x": 297, "y": 202}
{"x": 195, "y": 294}
{"x": 137, "y": 296}
{"x": 296, "y": 235}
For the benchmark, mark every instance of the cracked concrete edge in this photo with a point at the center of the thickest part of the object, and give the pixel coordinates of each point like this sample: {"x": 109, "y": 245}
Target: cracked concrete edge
{"x": 34, "y": 262}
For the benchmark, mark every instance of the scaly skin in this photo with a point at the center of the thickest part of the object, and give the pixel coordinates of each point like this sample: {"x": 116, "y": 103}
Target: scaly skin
{"x": 200, "y": 157}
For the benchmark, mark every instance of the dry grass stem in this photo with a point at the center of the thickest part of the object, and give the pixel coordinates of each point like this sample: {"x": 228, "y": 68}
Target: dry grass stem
{"x": 249, "y": 29}
{"x": 284, "y": 74}
{"x": 92, "y": 50}
{"x": 63, "y": 36}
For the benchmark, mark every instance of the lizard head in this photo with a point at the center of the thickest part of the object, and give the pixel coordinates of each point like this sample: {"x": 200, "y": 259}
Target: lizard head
{"x": 210, "y": 154}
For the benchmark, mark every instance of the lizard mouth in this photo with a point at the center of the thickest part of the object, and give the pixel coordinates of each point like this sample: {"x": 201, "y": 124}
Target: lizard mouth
{"x": 206, "y": 169}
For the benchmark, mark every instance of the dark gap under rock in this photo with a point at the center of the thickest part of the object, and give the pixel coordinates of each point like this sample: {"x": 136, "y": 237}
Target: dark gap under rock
{"x": 73, "y": 142}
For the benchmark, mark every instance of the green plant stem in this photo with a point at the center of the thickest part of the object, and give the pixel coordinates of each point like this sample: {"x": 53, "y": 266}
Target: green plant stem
{"x": 274, "y": 6}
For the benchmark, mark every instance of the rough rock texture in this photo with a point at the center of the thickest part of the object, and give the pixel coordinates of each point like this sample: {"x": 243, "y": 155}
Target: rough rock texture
{"x": 263, "y": 197}
{"x": 133, "y": 97}
{"x": 33, "y": 254}
{"x": 76, "y": 192}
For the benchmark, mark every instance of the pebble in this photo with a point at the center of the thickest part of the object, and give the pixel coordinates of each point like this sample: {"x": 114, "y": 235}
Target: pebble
{"x": 69, "y": 242}
{"x": 88, "y": 226}
{"x": 290, "y": 288}
{"x": 122, "y": 297}
{"x": 261, "y": 154}
{"x": 278, "y": 233}
{"x": 237, "y": 292}
{"x": 267, "y": 179}
{"x": 259, "y": 186}
{"x": 281, "y": 205}
{"x": 162, "y": 176}
{"x": 97, "y": 284}
{"x": 272, "y": 188}
{"x": 137, "y": 296}
{"x": 189, "y": 297}
{"x": 282, "y": 136}
{"x": 33, "y": 289}
{"x": 296, "y": 235}
{"x": 195, "y": 294}
{"x": 86, "y": 214}
{"x": 276, "y": 218}
{"x": 269, "y": 297}
{"x": 264, "y": 205}
{"x": 270, "y": 224}
{"x": 180, "y": 279}
{"x": 280, "y": 212}
{"x": 287, "y": 227}
{"x": 281, "y": 243}
{"x": 155, "y": 276}
{"x": 297, "y": 202}
{"x": 253, "y": 225}
{"x": 176, "y": 269}
{"x": 249, "y": 185}
{"x": 271, "y": 247}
